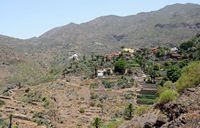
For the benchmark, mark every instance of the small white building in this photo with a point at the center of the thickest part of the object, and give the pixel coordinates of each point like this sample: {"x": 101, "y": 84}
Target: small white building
{"x": 174, "y": 49}
{"x": 74, "y": 57}
{"x": 100, "y": 72}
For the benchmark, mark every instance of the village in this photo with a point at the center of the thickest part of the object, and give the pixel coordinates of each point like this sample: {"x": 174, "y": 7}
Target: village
{"x": 110, "y": 88}
{"x": 142, "y": 68}
{"x": 93, "y": 97}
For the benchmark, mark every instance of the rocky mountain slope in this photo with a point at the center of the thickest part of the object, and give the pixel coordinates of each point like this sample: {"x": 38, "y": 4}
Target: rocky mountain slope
{"x": 166, "y": 26}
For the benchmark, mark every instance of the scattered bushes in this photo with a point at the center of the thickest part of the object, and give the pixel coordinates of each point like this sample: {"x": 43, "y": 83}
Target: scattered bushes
{"x": 123, "y": 82}
{"x": 32, "y": 97}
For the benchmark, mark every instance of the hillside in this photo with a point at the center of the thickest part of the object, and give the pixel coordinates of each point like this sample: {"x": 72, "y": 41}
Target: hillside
{"x": 167, "y": 26}
{"x": 133, "y": 71}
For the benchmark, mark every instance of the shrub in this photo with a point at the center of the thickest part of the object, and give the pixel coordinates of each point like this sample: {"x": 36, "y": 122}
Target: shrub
{"x": 160, "y": 53}
{"x": 93, "y": 85}
{"x": 2, "y": 103}
{"x": 190, "y": 77}
{"x": 120, "y": 66}
{"x": 186, "y": 45}
{"x": 107, "y": 84}
{"x": 167, "y": 96}
{"x": 46, "y": 102}
{"x": 92, "y": 104}
{"x": 140, "y": 110}
{"x": 162, "y": 82}
{"x": 174, "y": 73}
{"x": 93, "y": 96}
{"x": 157, "y": 67}
{"x": 123, "y": 83}
{"x": 82, "y": 110}
{"x": 167, "y": 85}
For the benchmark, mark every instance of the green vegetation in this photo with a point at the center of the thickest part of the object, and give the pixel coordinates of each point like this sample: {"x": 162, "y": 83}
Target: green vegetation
{"x": 186, "y": 45}
{"x": 121, "y": 83}
{"x": 38, "y": 117}
{"x": 10, "y": 121}
{"x": 146, "y": 99}
{"x": 97, "y": 122}
{"x": 120, "y": 66}
{"x": 174, "y": 73}
{"x": 167, "y": 85}
{"x": 36, "y": 96}
{"x": 140, "y": 110}
{"x": 82, "y": 110}
{"x": 94, "y": 85}
{"x": 190, "y": 77}
{"x": 113, "y": 123}
{"x": 128, "y": 113}
{"x": 31, "y": 74}
{"x": 3, "y": 123}
{"x": 107, "y": 84}
{"x": 160, "y": 53}
{"x": 167, "y": 96}
{"x": 46, "y": 102}
{"x": 2, "y": 103}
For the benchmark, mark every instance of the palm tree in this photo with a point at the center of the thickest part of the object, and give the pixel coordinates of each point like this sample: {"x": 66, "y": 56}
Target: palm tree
{"x": 129, "y": 111}
{"x": 97, "y": 122}
{"x": 10, "y": 119}
{"x": 130, "y": 108}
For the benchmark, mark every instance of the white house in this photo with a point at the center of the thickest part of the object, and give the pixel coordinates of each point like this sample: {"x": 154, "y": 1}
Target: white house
{"x": 174, "y": 49}
{"x": 100, "y": 72}
{"x": 75, "y": 57}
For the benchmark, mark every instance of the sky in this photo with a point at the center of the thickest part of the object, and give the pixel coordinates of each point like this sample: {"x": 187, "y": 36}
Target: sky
{"x": 29, "y": 18}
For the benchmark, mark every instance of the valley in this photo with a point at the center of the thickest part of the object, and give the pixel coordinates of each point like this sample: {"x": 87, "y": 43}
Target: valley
{"x": 138, "y": 71}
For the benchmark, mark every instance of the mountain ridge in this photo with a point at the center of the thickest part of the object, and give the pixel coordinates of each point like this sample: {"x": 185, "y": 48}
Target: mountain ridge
{"x": 167, "y": 26}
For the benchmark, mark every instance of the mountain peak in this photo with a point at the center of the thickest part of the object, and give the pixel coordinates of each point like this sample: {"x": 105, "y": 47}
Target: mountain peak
{"x": 182, "y": 6}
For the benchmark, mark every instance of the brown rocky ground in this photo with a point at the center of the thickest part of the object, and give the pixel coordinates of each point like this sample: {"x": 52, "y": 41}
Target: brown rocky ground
{"x": 69, "y": 102}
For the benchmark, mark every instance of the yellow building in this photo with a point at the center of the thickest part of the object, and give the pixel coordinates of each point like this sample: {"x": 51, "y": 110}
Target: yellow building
{"x": 129, "y": 50}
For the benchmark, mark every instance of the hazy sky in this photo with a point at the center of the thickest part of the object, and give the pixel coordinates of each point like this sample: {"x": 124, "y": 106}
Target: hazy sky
{"x": 28, "y": 18}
